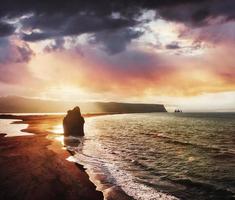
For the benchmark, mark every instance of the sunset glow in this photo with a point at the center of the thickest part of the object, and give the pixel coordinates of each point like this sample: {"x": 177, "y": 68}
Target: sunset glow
{"x": 152, "y": 56}
{"x": 118, "y": 99}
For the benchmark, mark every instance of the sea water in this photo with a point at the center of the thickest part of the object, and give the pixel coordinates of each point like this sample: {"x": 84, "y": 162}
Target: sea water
{"x": 7, "y": 126}
{"x": 162, "y": 156}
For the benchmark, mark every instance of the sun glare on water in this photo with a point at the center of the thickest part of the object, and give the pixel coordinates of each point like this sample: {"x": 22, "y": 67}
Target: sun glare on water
{"x": 58, "y": 129}
{"x": 60, "y": 139}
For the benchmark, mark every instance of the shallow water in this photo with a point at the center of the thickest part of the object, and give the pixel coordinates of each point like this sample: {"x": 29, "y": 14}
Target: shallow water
{"x": 8, "y": 127}
{"x": 189, "y": 156}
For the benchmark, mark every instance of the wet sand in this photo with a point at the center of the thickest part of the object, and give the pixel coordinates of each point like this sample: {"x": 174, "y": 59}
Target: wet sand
{"x": 34, "y": 167}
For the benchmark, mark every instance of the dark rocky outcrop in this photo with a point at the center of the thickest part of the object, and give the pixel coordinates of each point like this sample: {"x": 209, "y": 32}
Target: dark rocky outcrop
{"x": 73, "y": 123}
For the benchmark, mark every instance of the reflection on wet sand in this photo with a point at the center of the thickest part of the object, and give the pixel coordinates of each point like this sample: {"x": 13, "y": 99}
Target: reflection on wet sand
{"x": 30, "y": 160}
{"x": 57, "y": 129}
{"x": 65, "y": 141}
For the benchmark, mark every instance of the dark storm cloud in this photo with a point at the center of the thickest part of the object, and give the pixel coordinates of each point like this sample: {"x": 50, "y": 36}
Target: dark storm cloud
{"x": 197, "y": 13}
{"x": 74, "y": 25}
{"x": 15, "y": 8}
{"x": 115, "y": 41}
{"x": 33, "y": 37}
{"x": 53, "y": 13}
{"x": 6, "y": 29}
{"x": 55, "y": 18}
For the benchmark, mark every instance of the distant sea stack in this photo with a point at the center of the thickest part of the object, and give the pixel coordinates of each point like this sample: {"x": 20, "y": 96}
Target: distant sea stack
{"x": 15, "y": 104}
{"x": 178, "y": 111}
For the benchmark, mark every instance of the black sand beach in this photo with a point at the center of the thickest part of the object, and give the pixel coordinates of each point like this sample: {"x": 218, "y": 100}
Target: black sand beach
{"x": 33, "y": 167}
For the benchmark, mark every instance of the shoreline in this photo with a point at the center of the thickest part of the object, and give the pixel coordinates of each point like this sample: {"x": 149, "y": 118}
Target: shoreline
{"x": 40, "y": 125}
{"x": 35, "y": 167}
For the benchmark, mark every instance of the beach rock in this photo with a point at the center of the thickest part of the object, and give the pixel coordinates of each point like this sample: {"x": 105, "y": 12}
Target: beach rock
{"x": 73, "y": 123}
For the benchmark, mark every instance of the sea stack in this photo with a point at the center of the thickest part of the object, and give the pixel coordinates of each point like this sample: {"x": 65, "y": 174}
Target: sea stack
{"x": 73, "y": 123}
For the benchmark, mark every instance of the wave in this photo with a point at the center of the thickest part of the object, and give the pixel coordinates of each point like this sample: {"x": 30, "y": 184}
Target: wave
{"x": 171, "y": 140}
{"x": 185, "y": 161}
{"x": 205, "y": 190}
{"x": 109, "y": 176}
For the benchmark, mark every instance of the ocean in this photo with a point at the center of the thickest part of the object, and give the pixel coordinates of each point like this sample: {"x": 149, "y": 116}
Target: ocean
{"x": 7, "y": 126}
{"x": 170, "y": 155}
{"x": 188, "y": 156}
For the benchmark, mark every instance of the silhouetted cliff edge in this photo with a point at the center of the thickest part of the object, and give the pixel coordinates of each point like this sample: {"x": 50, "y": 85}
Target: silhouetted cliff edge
{"x": 131, "y": 107}
{"x": 15, "y": 104}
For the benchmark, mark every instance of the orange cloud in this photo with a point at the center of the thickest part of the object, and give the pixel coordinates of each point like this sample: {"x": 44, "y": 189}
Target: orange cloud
{"x": 138, "y": 73}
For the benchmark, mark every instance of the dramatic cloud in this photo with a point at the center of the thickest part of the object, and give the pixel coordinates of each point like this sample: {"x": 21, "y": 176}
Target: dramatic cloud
{"x": 115, "y": 41}
{"x": 118, "y": 48}
{"x": 14, "y": 51}
{"x": 57, "y": 44}
{"x": 14, "y": 55}
{"x": 173, "y": 45}
{"x": 52, "y": 19}
{"x": 137, "y": 72}
{"x": 73, "y": 25}
{"x": 6, "y": 29}
{"x": 197, "y": 13}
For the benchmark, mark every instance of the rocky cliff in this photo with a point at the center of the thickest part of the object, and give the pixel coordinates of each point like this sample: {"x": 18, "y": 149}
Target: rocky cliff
{"x": 14, "y": 104}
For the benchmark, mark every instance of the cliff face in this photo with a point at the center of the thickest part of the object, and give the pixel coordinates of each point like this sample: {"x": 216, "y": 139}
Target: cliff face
{"x": 23, "y": 105}
{"x": 131, "y": 107}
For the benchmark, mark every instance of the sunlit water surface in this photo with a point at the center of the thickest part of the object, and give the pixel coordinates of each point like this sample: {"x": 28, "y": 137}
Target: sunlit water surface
{"x": 8, "y": 127}
{"x": 190, "y": 156}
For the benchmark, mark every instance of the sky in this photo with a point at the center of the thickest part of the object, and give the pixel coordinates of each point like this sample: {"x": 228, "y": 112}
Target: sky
{"x": 176, "y": 52}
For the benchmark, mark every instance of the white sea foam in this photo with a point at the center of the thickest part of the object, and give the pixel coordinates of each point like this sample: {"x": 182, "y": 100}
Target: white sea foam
{"x": 116, "y": 176}
{"x": 134, "y": 189}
